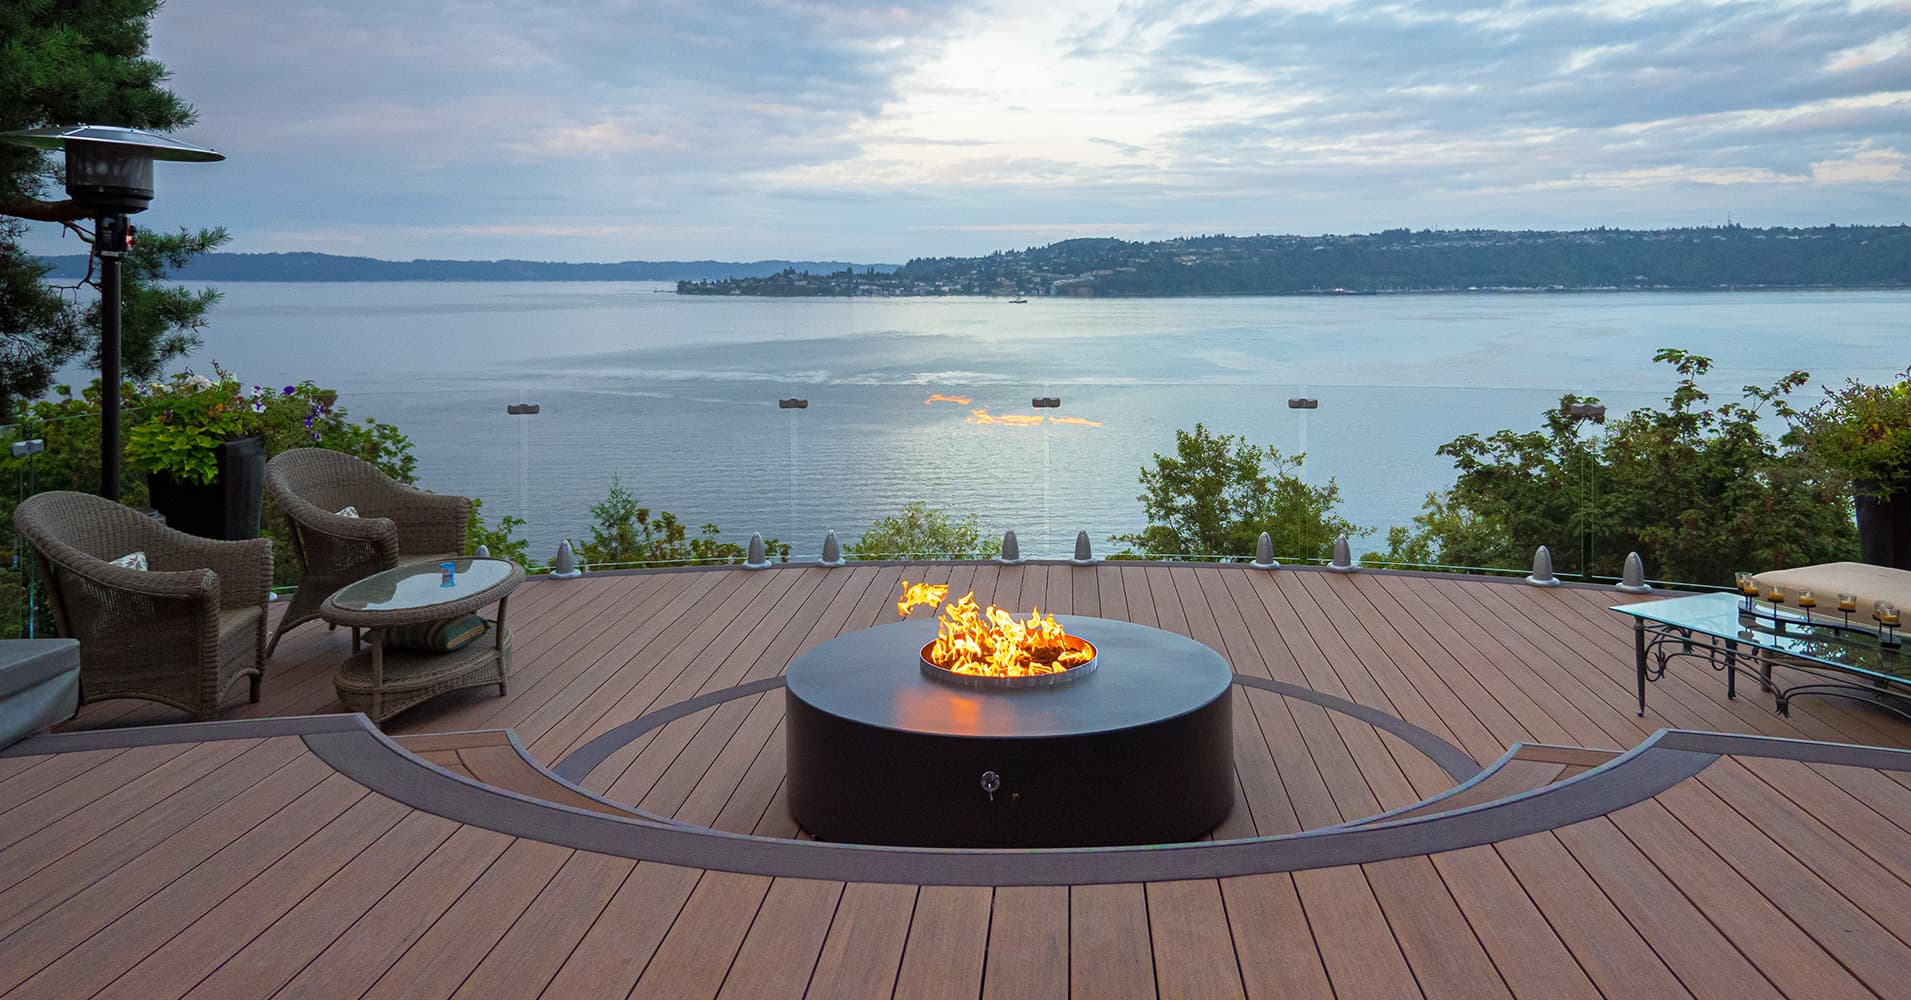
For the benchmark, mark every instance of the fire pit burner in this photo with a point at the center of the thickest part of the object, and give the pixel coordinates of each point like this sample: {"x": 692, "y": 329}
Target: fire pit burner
{"x": 943, "y": 675}
{"x": 1138, "y": 751}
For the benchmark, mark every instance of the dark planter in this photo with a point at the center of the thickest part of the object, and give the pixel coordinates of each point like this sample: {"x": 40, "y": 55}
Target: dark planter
{"x": 1884, "y": 528}
{"x": 227, "y": 507}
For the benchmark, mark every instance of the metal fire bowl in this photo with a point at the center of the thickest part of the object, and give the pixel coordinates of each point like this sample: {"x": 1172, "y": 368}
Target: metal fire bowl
{"x": 1139, "y": 752}
{"x": 982, "y": 682}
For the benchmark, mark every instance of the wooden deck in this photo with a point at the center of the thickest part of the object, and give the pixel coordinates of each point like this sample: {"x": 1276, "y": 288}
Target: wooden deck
{"x": 311, "y": 858}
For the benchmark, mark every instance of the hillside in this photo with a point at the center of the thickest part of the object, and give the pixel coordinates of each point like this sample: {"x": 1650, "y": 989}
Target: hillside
{"x": 1397, "y": 260}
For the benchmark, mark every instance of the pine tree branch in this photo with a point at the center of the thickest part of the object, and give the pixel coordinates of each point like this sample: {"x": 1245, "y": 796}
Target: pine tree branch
{"x": 36, "y": 210}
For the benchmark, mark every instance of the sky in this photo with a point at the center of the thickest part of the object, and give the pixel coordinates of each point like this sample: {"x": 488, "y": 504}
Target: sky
{"x": 605, "y": 130}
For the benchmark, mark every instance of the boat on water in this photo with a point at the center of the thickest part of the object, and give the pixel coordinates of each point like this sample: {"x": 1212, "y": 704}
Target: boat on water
{"x": 1018, "y": 302}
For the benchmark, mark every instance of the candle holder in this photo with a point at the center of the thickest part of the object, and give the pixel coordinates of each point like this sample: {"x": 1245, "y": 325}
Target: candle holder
{"x": 1747, "y": 587}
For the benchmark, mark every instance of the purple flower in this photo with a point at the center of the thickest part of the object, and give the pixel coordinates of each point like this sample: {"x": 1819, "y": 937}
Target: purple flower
{"x": 315, "y": 435}
{"x": 308, "y": 424}
{"x": 288, "y": 390}
{"x": 258, "y": 407}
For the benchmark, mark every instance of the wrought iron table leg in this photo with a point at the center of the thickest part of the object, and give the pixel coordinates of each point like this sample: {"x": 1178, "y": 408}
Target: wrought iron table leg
{"x": 1731, "y": 670}
{"x": 1639, "y": 652}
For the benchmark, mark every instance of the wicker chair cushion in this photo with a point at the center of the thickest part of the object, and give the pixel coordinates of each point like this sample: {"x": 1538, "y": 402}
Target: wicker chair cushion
{"x": 132, "y": 560}
{"x": 443, "y": 636}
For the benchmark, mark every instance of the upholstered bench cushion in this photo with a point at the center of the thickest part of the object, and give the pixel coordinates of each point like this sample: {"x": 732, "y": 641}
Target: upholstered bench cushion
{"x": 39, "y": 685}
{"x": 1827, "y": 580}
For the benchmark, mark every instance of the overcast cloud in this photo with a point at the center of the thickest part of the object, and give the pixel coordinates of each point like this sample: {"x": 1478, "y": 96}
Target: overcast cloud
{"x": 880, "y": 131}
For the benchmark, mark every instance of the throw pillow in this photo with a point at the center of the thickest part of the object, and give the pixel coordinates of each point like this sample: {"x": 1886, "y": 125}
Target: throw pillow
{"x": 445, "y": 636}
{"x": 348, "y": 512}
{"x": 132, "y": 560}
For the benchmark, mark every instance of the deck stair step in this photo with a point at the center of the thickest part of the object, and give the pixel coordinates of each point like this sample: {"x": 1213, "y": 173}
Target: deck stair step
{"x": 1526, "y": 768}
{"x": 494, "y": 757}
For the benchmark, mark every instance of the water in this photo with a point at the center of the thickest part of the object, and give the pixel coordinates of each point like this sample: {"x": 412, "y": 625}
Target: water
{"x": 679, "y": 394}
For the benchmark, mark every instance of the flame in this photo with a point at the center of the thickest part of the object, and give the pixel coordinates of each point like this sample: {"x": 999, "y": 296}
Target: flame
{"x": 936, "y": 397}
{"x": 992, "y": 642}
{"x": 918, "y": 595}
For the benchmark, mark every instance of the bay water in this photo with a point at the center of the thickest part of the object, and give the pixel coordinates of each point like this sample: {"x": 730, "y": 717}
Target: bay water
{"x": 907, "y": 398}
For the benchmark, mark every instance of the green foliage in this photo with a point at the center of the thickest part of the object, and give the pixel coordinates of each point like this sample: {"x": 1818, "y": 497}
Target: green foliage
{"x": 625, "y": 532}
{"x": 1698, "y": 490}
{"x": 1863, "y": 432}
{"x": 159, "y": 324}
{"x": 38, "y": 332}
{"x": 501, "y": 540}
{"x": 924, "y": 532}
{"x": 300, "y": 416}
{"x": 187, "y": 418}
{"x": 64, "y": 63}
{"x": 1217, "y": 493}
{"x": 183, "y": 420}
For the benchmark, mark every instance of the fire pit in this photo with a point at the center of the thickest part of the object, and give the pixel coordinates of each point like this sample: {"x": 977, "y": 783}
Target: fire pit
{"x": 1130, "y": 745}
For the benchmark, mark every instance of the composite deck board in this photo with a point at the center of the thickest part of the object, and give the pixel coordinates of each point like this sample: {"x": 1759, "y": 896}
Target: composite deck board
{"x": 703, "y": 941}
{"x": 1193, "y": 945}
{"x": 225, "y": 804}
{"x": 285, "y": 945}
{"x": 1027, "y": 951}
{"x": 247, "y": 867}
{"x": 948, "y": 940}
{"x": 530, "y": 954}
{"x": 862, "y": 952}
{"x": 620, "y": 945}
{"x": 1110, "y": 950}
{"x": 348, "y": 964}
{"x": 785, "y": 938}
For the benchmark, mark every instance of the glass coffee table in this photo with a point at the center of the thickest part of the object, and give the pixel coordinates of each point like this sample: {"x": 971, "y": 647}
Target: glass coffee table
{"x": 381, "y": 681}
{"x": 1838, "y": 658}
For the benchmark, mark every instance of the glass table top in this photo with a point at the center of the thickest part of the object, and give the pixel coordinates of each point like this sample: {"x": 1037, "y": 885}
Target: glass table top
{"x": 1724, "y": 616}
{"x": 421, "y": 585}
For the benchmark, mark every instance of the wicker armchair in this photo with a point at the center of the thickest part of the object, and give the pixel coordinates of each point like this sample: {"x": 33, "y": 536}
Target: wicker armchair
{"x": 181, "y": 632}
{"x": 395, "y": 524}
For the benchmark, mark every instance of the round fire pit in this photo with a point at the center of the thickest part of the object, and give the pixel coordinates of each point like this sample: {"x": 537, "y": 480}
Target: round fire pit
{"x": 1138, "y": 751}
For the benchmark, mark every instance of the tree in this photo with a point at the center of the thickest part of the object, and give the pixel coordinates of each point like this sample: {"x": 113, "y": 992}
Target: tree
{"x": 1218, "y": 492}
{"x": 628, "y": 533}
{"x": 924, "y": 532}
{"x": 64, "y": 63}
{"x": 1700, "y": 491}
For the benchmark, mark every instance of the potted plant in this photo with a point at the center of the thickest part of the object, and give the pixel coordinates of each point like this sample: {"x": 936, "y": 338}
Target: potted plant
{"x": 1863, "y": 432}
{"x": 199, "y": 441}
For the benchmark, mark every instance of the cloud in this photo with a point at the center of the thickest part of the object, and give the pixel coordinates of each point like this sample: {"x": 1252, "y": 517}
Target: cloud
{"x": 864, "y": 130}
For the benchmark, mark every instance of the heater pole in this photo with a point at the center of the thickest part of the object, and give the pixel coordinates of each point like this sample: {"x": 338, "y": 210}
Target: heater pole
{"x": 109, "y": 242}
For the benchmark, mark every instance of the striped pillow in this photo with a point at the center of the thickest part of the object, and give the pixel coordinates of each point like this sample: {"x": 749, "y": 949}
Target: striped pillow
{"x": 445, "y": 636}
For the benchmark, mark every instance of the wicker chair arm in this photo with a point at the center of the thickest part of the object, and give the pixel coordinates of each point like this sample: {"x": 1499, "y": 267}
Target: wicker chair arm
{"x": 376, "y": 531}
{"x": 183, "y": 584}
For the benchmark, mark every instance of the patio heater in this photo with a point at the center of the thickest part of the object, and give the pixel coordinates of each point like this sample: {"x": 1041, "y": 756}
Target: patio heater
{"x": 109, "y": 172}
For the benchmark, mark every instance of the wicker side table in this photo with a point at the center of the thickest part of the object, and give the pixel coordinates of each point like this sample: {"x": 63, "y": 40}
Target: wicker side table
{"x": 382, "y": 682}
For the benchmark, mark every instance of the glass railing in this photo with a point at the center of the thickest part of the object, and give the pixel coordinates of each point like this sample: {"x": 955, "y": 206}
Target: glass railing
{"x": 794, "y": 459}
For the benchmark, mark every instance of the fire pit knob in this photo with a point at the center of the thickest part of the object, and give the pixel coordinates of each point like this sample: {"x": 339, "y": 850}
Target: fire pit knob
{"x": 991, "y": 783}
